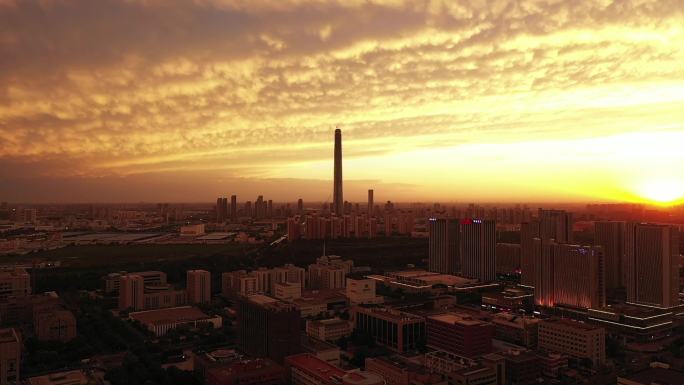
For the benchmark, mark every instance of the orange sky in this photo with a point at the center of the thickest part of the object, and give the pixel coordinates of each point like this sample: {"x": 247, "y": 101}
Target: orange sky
{"x": 179, "y": 100}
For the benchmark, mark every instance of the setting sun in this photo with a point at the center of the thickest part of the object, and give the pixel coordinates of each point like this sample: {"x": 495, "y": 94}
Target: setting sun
{"x": 662, "y": 191}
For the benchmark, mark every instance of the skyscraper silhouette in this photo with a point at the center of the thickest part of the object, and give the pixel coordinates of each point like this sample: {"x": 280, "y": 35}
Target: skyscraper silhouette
{"x": 338, "y": 199}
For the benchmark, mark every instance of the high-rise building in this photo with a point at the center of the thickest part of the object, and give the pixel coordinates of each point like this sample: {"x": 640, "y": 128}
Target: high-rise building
{"x": 556, "y": 225}
{"x": 338, "y": 198}
{"x": 652, "y": 264}
{"x": 551, "y": 225}
{"x": 233, "y": 208}
{"x": 579, "y": 276}
{"x": 478, "y": 249}
{"x": 569, "y": 275}
{"x": 198, "y": 286}
{"x": 221, "y": 209}
{"x": 268, "y": 328}
{"x": 370, "y": 202}
{"x": 611, "y": 237}
{"x": 444, "y": 246}
{"x": 10, "y": 357}
{"x": 528, "y": 232}
{"x": 132, "y": 292}
{"x": 300, "y": 206}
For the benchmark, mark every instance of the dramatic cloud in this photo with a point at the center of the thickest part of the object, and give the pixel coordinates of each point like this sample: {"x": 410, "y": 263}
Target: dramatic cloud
{"x": 110, "y": 93}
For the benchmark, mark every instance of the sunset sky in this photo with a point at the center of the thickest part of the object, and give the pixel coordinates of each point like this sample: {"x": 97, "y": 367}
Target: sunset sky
{"x": 488, "y": 101}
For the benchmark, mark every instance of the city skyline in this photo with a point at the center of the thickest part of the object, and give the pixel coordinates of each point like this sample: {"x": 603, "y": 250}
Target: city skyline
{"x": 528, "y": 102}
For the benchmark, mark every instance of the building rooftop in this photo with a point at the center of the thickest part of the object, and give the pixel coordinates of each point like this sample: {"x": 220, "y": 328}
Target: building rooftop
{"x": 322, "y": 369}
{"x": 75, "y": 377}
{"x": 8, "y": 335}
{"x": 457, "y": 319}
{"x": 388, "y": 313}
{"x": 170, "y": 315}
{"x": 657, "y": 376}
{"x": 514, "y": 320}
{"x": 571, "y": 324}
{"x": 261, "y": 299}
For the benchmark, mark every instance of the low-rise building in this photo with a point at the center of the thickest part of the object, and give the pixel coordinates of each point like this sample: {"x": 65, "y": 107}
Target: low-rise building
{"x": 519, "y": 330}
{"x": 306, "y": 369}
{"x": 459, "y": 334}
{"x": 398, "y": 371}
{"x": 162, "y": 320}
{"x": 55, "y": 325}
{"x": 328, "y": 329}
{"x": 324, "y": 350}
{"x": 576, "y": 339}
{"x": 362, "y": 292}
{"x": 398, "y": 331}
{"x": 247, "y": 372}
{"x": 287, "y": 291}
{"x": 652, "y": 376}
{"x": 72, "y": 377}
{"x": 10, "y": 356}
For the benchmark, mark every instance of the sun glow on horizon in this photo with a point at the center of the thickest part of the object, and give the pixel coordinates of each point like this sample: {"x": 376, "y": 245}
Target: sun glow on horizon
{"x": 662, "y": 191}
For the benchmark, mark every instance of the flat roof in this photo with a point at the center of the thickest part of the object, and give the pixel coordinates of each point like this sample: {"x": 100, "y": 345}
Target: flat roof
{"x": 454, "y": 318}
{"x": 169, "y": 315}
{"x": 70, "y": 377}
{"x": 315, "y": 365}
{"x": 389, "y": 313}
{"x": 571, "y": 324}
{"x": 657, "y": 376}
{"x": 261, "y": 299}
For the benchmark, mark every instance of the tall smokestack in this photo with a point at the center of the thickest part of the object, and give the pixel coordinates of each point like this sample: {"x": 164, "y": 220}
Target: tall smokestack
{"x": 370, "y": 203}
{"x": 338, "y": 199}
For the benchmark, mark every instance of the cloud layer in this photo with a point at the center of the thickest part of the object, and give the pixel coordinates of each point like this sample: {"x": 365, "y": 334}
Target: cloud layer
{"x": 252, "y": 89}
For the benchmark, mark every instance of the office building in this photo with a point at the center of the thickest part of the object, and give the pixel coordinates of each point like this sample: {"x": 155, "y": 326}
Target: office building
{"x": 268, "y": 328}
{"x": 10, "y": 357}
{"x": 478, "y": 249}
{"x": 576, "y": 339}
{"x": 198, "y": 286}
{"x": 338, "y": 198}
{"x": 398, "y": 331}
{"x": 444, "y": 246}
{"x": 516, "y": 329}
{"x": 459, "y": 334}
{"x": 610, "y": 236}
{"x": 652, "y": 265}
{"x": 522, "y": 367}
{"x": 328, "y": 329}
{"x": 362, "y": 292}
